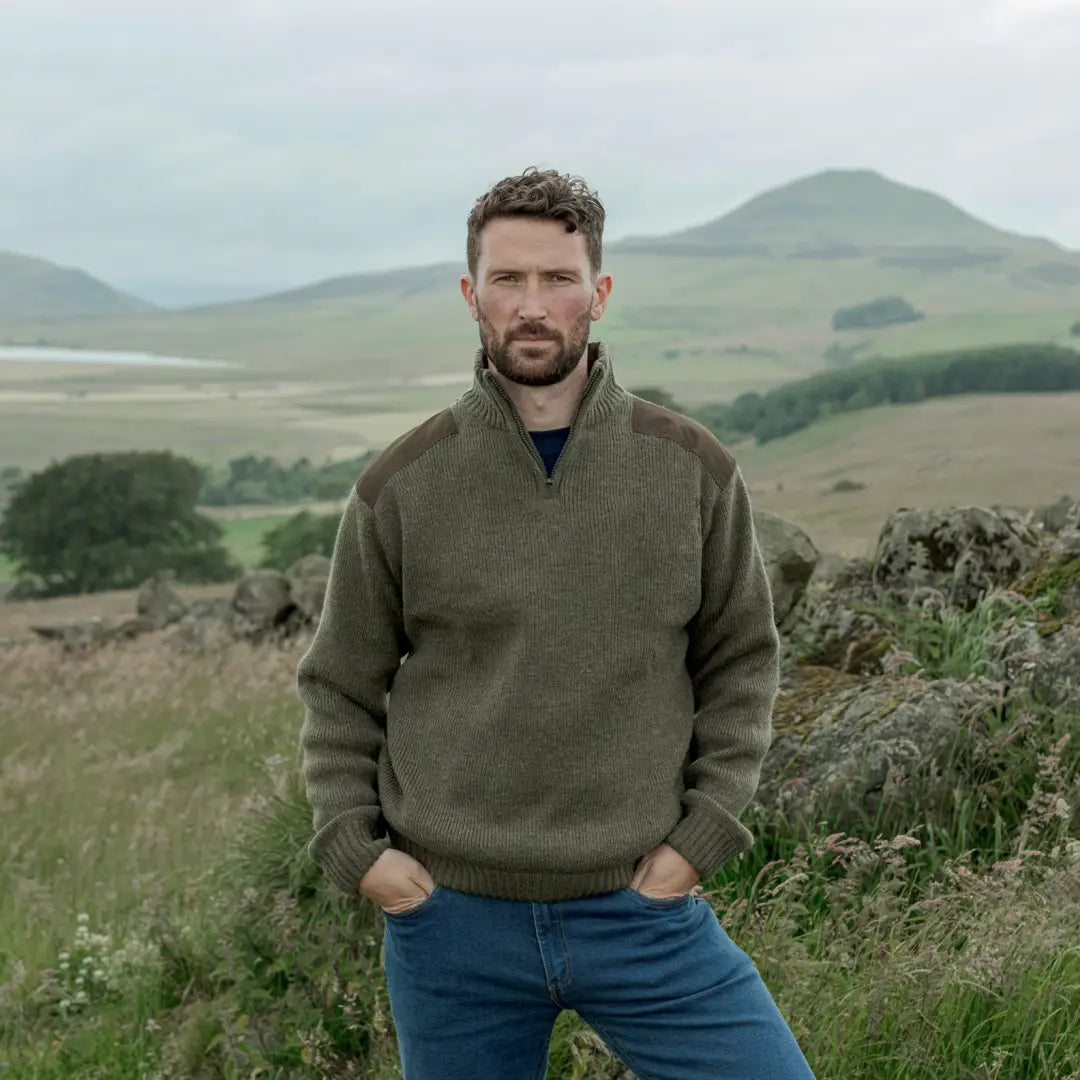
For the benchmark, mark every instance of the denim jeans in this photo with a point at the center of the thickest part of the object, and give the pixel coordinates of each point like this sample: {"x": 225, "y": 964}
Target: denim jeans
{"x": 476, "y": 984}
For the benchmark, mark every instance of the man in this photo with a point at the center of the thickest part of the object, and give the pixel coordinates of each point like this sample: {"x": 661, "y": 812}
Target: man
{"x": 540, "y": 693}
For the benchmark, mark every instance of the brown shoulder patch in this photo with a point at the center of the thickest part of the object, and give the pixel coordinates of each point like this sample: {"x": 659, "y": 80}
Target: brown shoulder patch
{"x": 649, "y": 419}
{"x": 404, "y": 450}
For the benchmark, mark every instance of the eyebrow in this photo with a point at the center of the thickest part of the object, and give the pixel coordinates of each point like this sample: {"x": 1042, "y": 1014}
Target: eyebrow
{"x": 553, "y": 270}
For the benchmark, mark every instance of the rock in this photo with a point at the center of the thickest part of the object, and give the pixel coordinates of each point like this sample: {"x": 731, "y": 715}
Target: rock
{"x": 261, "y": 604}
{"x": 837, "y": 625}
{"x": 1060, "y": 515}
{"x": 844, "y": 747}
{"x": 159, "y": 601}
{"x": 307, "y": 578}
{"x": 93, "y": 632}
{"x": 1067, "y": 545}
{"x": 1056, "y": 573}
{"x": 790, "y": 558}
{"x": 963, "y": 552}
{"x": 1040, "y": 658}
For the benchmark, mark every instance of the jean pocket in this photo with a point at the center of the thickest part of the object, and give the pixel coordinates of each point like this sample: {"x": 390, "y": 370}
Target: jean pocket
{"x": 408, "y": 913}
{"x": 660, "y": 902}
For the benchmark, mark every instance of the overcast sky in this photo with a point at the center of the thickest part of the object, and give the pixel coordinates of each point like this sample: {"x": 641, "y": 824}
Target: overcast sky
{"x": 219, "y": 147}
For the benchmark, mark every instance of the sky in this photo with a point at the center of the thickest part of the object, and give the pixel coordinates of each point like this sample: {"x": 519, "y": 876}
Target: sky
{"x": 221, "y": 148}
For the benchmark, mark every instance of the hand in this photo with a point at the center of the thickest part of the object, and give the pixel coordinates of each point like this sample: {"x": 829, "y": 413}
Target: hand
{"x": 396, "y": 882}
{"x": 663, "y": 873}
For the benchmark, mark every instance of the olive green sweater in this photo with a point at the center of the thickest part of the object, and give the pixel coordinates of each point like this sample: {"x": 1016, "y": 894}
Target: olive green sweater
{"x": 527, "y": 682}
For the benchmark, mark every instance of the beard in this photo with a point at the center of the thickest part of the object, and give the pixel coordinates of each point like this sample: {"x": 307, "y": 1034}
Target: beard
{"x": 563, "y": 354}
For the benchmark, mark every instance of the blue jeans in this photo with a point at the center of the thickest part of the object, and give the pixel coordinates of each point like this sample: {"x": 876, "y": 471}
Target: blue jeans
{"x": 476, "y": 984}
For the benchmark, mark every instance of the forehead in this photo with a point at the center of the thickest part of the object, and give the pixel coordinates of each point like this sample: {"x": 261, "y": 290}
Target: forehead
{"x": 531, "y": 240}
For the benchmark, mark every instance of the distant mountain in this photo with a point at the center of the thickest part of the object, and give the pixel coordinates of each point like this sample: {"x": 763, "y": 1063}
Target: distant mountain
{"x": 33, "y": 289}
{"x": 745, "y": 301}
{"x": 846, "y": 213}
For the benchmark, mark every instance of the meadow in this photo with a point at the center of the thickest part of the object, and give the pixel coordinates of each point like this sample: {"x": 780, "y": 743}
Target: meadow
{"x": 159, "y": 919}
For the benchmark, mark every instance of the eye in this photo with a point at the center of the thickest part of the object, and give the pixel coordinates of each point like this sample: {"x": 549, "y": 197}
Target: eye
{"x": 506, "y": 277}
{"x": 560, "y": 277}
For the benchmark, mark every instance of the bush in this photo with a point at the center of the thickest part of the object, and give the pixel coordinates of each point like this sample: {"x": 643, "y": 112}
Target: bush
{"x": 885, "y": 311}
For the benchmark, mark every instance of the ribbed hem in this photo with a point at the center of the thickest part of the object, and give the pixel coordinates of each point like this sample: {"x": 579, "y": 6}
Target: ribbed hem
{"x": 536, "y": 885}
{"x": 345, "y": 852}
{"x": 705, "y": 843}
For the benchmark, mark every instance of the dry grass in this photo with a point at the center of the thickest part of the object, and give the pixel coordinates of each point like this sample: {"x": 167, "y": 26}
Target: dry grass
{"x": 1022, "y": 449}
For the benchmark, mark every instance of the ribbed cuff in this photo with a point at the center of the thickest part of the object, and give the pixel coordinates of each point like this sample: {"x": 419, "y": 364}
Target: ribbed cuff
{"x": 705, "y": 843}
{"x": 345, "y": 851}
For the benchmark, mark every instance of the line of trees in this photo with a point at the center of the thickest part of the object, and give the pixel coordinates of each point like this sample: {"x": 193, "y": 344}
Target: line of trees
{"x": 1001, "y": 369}
{"x": 255, "y": 480}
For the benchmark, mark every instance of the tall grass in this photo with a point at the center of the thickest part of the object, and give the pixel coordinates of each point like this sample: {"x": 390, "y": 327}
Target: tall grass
{"x": 159, "y": 917}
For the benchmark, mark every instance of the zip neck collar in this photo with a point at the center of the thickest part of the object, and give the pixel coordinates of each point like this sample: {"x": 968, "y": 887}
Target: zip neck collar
{"x": 602, "y": 395}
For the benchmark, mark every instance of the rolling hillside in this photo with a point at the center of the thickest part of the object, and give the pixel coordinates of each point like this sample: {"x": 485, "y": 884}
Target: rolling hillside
{"x": 33, "y": 289}
{"x": 741, "y": 302}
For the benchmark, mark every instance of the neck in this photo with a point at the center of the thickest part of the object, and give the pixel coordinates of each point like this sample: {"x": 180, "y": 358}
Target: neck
{"x": 543, "y": 408}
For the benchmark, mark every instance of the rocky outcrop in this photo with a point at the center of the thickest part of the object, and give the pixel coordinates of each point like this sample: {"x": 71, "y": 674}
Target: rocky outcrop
{"x": 845, "y": 748}
{"x": 790, "y": 558}
{"x": 961, "y": 552}
{"x": 265, "y": 606}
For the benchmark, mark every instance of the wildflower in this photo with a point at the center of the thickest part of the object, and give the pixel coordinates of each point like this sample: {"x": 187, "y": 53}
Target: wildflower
{"x": 82, "y": 917}
{"x": 152, "y": 1025}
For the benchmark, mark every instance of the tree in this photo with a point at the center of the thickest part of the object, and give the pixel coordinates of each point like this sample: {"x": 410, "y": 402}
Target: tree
{"x": 1075, "y": 329}
{"x": 302, "y": 534}
{"x": 657, "y": 396}
{"x": 109, "y": 521}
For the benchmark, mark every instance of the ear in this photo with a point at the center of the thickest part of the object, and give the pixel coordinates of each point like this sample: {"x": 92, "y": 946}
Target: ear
{"x": 468, "y": 290}
{"x": 601, "y": 292}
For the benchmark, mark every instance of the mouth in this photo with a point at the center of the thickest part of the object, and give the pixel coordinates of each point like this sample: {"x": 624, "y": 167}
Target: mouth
{"x": 533, "y": 337}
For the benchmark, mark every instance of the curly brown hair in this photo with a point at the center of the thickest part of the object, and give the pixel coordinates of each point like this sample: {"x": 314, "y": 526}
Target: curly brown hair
{"x": 537, "y": 194}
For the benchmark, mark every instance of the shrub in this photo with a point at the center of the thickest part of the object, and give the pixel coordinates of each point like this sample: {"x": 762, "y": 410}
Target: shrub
{"x": 885, "y": 311}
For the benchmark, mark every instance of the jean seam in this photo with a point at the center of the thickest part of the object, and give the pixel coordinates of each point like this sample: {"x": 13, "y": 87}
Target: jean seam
{"x": 563, "y": 984}
{"x": 627, "y": 1059}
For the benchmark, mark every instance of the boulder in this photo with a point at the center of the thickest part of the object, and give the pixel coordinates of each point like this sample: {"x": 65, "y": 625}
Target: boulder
{"x": 159, "y": 602}
{"x": 962, "y": 552}
{"x": 837, "y": 624}
{"x": 1059, "y": 516}
{"x": 261, "y": 605}
{"x": 307, "y": 578}
{"x": 844, "y": 748}
{"x": 790, "y": 558}
{"x": 1038, "y": 657}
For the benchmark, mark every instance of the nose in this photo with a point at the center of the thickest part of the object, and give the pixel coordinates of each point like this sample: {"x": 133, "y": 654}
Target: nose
{"x": 532, "y": 307}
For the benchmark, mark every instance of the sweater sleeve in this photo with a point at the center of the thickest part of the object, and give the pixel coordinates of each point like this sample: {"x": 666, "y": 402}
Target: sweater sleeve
{"x": 733, "y": 661}
{"x": 343, "y": 680}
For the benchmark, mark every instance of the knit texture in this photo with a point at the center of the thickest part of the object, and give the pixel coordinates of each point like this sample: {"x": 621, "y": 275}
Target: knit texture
{"x": 526, "y": 682}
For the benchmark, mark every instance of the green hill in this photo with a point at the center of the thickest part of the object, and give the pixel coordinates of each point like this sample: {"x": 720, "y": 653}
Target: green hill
{"x": 33, "y": 289}
{"x": 742, "y": 302}
{"x": 841, "y": 214}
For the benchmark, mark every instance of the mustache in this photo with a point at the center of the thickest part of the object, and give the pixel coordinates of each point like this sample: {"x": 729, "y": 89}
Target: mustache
{"x": 531, "y": 330}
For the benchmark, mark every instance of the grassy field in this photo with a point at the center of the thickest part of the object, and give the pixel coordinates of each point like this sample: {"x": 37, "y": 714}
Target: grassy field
{"x": 159, "y": 921}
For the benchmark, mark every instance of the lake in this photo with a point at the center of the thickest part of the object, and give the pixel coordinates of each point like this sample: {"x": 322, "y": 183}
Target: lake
{"x": 47, "y": 354}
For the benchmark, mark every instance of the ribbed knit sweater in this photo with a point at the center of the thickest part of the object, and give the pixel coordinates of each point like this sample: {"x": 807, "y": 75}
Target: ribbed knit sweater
{"x": 528, "y": 681}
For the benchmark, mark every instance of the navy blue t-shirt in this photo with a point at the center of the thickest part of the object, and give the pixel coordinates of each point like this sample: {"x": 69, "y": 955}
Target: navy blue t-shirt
{"x": 550, "y": 444}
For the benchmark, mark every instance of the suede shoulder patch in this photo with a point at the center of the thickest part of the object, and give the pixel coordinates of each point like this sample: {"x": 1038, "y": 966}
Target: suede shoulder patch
{"x": 404, "y": 450}
{"x": 649, "y": 419}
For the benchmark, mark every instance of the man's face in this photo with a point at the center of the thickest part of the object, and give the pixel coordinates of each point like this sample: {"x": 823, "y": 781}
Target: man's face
{"x": 534, "y": 297}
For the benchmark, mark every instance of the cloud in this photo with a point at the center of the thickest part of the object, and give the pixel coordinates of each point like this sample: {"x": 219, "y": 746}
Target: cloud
{"x": 250, "y": 140}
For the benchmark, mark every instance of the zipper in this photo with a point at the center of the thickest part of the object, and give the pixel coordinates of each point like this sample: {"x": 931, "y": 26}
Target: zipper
{"x": 549, "y": 481}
